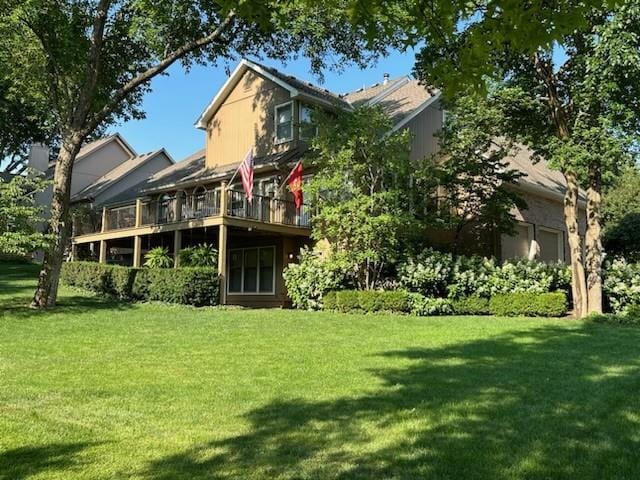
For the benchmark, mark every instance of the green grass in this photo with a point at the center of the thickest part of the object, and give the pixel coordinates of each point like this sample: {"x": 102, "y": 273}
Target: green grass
{"x": 97, "y": 390}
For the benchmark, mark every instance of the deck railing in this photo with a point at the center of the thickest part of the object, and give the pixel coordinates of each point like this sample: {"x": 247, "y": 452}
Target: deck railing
{"x": 205, "y": 204}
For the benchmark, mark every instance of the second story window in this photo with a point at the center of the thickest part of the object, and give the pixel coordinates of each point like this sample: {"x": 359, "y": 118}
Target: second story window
{"x": 284, "y": 122}
{"x": 307, "y": 128}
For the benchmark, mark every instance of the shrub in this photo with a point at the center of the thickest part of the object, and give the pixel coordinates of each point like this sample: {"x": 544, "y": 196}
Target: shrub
{"x": 473, "y": 305}
{"x": 158, "y": 257}
{"x": 330, "y": 300}
{"x": 622, "y": 285}
{"x": 196, "y": 286}
{"x": 428, "y": 273}
{"x": 203, "y": 255}
{"x": 529, "y": 276}
{"x": 425, "y": 306}
{"x": 308, "y": 280}
{"x": 347, "y": 300}
{"x": 367, "y": 301}
{"x": 471, "y": 276}
{"x": 552, "y": 304}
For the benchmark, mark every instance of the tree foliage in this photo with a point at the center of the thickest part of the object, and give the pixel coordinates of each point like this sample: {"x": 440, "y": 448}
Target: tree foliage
{"x": 361, "y": 189}
{"x": 470, "y": 177}
{"x": 621, "y": 215}
{"x": 20, "y": 215}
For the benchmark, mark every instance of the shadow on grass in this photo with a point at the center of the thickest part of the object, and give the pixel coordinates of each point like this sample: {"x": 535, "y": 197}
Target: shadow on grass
{"x": 18, "y": 283}
{"x": 29, "y": 461}
{"x": 550, "y": 402}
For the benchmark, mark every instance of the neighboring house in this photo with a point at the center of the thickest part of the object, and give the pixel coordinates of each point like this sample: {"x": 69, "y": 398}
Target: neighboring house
{"x": 191, "y": 202}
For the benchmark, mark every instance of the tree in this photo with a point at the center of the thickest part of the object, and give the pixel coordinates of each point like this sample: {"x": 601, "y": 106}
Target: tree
{"x": 621, "y": 216}
{"x": 94, "y": 60}
{"x": 469, "y": 178}
{"x": 20, "y": 214}
{"x": 360, "y": 189}
{"x": 575, "y": 102}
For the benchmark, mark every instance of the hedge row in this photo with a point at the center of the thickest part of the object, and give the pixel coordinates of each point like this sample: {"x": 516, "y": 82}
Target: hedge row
{"x": 510, "y": 304}
{"x": 196, "y": 286}
{"x": 367, "y": 301}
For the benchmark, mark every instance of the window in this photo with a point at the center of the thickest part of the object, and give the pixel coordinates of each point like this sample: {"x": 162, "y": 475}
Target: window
{"x": 551, "y": 244}
{"x": 284, "y": 122}
{"x": 517, "y": 245}
{"x": 307, "y": 129}
{"x": 252, "y": 271}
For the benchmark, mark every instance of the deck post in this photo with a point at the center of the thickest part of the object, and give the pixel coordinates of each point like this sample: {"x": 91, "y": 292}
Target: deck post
{"x": 222, "y": 263}
{"x": 103, "y": 251}
{"x": 177, "y": 246}
{"x": 137, "y": 251}
{"x": 223, "y": 199}
{"x": 104, "y": 220}
{"x": 138, "y": 212}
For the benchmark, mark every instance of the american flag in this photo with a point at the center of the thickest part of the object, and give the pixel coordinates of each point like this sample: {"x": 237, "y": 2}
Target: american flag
{"x": 246, "y": 173}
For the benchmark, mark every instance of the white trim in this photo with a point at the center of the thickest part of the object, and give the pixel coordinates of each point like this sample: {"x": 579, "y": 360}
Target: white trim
{"x": 530, "y": 239}
{"x": 258, "y": 292}
{"x": 390, "y": 89}
{"x": 276, "y": 140}
{"x": 230, "y": 84}
{"x": 436, "y": 96}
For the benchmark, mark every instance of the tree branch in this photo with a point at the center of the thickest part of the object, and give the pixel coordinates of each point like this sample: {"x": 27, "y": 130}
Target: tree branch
{"x": 94, "y": 64}
{"x": 160, "y": 67}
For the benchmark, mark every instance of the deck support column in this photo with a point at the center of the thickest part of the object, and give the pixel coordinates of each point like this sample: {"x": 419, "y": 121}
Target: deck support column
{"x": 103, "y": 251}
{"x": 137, "y": 251}
{"x": 138, "y": 212}
{"x": 177, "y": 246}
{"x": 222, "y": 263}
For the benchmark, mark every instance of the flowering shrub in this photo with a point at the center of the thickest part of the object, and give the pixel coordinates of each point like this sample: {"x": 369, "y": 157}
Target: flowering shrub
{"x": 428, "y": 273}
{"x": 425, "y": 306}
{"x": 437, "y": 274}
{"x": 313, "y": 276}
{"x": 529, "y": 276}
{"x": 622, "y": 285}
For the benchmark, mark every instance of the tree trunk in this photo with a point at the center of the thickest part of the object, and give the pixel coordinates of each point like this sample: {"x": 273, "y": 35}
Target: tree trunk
{"x": 47, "y": 290}
{"x": 593, "y": 242}
{"x": 578, "y": 283}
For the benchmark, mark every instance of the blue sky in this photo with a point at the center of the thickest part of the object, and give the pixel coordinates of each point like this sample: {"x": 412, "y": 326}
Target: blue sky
{"x": 177, "y": 100}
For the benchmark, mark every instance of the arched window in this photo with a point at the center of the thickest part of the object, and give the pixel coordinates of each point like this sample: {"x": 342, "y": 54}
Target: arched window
{"x": 166, "y": 208}
{"x": 200, "y": 202}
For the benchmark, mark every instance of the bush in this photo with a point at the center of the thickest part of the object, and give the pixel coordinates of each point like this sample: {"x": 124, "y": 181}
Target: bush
{"x": 471, "y": 306}
{"x": 158, "y": 257}
{"x": 471, "y": 276}
{"x": 367, "y": 301}
{"x": 622, "y": 285}
{"x": 428, "y": 273}
{"x": 196, "y": 286}
{"x": 425, "y": 306}
{"x": 314, "y": 275}
{"x": 552, "y": 304}
{"x": 203, "y": 255}
{"x": 529, "y": 276}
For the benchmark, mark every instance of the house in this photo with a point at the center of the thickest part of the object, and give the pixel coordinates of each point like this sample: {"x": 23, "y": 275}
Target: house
{"x": 199, "y": 200}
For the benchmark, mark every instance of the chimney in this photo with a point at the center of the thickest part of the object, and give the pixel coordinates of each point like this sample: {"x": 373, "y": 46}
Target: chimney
{"x": 385, "y": 79}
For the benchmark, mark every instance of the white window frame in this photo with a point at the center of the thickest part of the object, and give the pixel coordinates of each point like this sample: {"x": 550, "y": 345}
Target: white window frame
{"x": 530, "y": 238}
{"x": 277, "y": 140}
{"x": 560, "y": 234}
{"x": 258, "y": 292}
{"x": 301, "y": 107}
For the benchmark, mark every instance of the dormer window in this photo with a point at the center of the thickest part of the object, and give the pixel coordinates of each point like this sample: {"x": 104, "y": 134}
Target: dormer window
{"x": 284, "y": 122}
{"x": 307, "y": 129}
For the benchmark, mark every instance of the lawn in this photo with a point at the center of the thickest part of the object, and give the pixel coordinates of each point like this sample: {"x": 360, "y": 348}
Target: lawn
{"x": 96, "y": 389}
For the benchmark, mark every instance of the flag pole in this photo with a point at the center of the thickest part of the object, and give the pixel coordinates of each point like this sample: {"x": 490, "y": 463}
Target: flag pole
{"x": 289, "y": 176}
{"x": 233, "y": 177}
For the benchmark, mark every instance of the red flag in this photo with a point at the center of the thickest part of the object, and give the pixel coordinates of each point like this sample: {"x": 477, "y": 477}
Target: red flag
{"x": 295, "y": 184}
{"x": 246, "y": 172}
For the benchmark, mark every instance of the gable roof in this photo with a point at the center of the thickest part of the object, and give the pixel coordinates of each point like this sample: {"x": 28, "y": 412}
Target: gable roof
{"x": 97, "y": 144}
{"x": 113, "y": 176}
{"x": 296, "y": 87}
